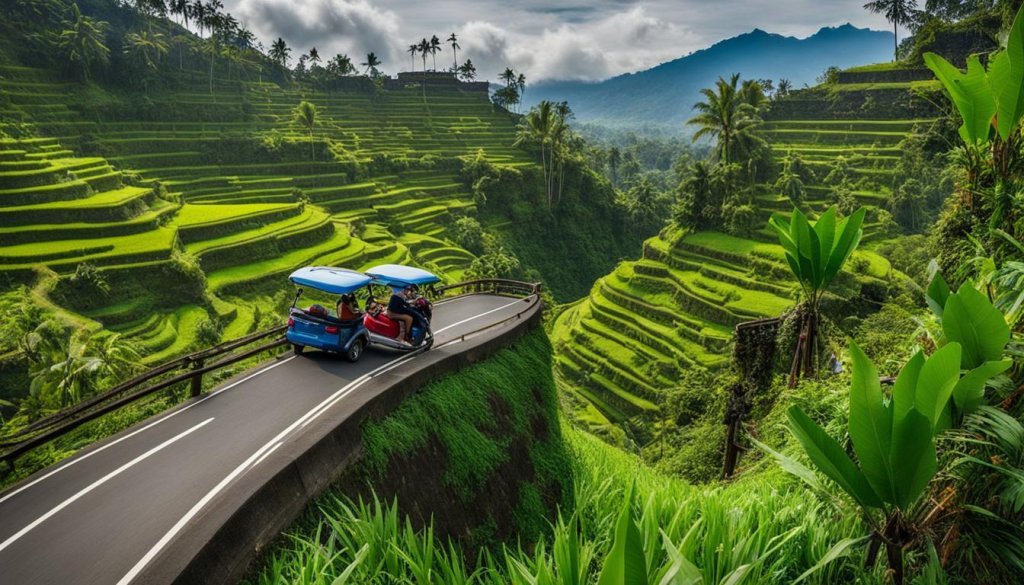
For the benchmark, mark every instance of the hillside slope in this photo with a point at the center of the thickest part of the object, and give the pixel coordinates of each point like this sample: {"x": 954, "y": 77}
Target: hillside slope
{"x": 193, "y": 205}
{"x": 663, "y": 95}
{"x": 623, "y": 348}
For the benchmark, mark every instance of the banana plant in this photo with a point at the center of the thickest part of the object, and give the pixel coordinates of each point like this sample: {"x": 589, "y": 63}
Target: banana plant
{"x": 815, "y": 253}
{"x": 970, "y": 320}
{"x": 981, "y": 95}
{"x": 894, "y": 441}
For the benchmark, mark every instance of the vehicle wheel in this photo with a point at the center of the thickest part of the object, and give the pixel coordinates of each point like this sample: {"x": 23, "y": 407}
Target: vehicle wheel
{"x": 298, "y": 348}
{"x": 355, "y": 352}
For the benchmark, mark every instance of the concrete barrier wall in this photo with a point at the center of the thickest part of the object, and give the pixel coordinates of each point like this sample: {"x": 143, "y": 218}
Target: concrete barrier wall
{"x": 219, "y": 544}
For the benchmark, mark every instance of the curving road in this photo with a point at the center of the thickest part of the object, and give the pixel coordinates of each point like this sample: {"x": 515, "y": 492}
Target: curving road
{"x": 103, "y": 515}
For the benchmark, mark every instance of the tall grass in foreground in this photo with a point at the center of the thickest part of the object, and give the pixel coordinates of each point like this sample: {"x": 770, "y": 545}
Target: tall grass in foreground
{"x": 765, "y": 529}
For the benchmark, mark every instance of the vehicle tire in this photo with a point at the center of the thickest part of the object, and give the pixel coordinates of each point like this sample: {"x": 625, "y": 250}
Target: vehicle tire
{"x": 355, "y": 351}
{"x": 298, "y": 348}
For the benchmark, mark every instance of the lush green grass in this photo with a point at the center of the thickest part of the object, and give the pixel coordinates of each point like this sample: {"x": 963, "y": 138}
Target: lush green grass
{"x": 759, "y": 530}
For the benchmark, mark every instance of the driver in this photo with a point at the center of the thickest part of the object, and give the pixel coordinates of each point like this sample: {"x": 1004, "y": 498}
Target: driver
{"x": 400, "y": 311}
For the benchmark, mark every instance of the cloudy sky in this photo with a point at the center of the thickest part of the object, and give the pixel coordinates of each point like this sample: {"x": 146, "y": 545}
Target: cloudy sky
{"x": 578, "y": 39}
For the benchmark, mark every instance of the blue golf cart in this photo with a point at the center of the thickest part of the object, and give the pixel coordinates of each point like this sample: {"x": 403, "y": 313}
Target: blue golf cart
{"x": 316, "y": 326}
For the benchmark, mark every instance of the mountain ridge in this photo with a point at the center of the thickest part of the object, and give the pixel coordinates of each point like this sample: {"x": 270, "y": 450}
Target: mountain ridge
{"x": 664, "y": 93}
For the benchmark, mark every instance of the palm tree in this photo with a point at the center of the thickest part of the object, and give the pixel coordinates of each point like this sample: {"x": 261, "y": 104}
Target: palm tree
{"x": 61, "y": 371}
{"x": 371, "y": 63}
{"x": 454, "y": 42}
{"x": 727, "y": 117}
{"x": 305, "y": 114}
{"x": 614, "y": 158}
{"x": 412, "y": 50}
{"x": 521, "y": 86}
{"x": 508, "y": 76}
{"x": 279, "y": 52}
{"x": 144, "y": 50}
{"x": 424, "y": 48}
{"x": 435, "y": 46}
{"x": 179, "y": 8}
{"x": 199, "y": 12}
{"x": 467, "y": 70}
{"x": 81, "y": 43}
{"x": 545, "y": 125}
{"x": 783, "y": 88}
{"x": 898, "y": 12}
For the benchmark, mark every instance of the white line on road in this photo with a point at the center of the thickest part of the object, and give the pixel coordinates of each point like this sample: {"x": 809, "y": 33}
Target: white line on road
{"x": 248, "y": 463}
{"x": 478, "y": 316}
{"x": 83, "y": 457}
{"x": 100, "y": 482}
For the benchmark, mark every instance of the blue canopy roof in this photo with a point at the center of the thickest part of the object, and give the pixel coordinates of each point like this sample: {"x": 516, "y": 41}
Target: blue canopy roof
{"x": 333, "y": 280}
{"x": 397, "y": 274}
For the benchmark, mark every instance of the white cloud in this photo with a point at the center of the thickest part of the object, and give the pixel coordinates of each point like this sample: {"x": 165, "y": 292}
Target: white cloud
{"x": 545, "y": 39}
{"x": 355, "y": 27}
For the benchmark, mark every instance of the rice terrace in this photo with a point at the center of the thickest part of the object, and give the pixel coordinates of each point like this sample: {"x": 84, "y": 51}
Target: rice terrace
{"x": 640, "y": 293}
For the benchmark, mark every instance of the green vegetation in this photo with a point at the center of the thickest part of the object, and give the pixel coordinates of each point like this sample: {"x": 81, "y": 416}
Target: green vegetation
{"x": 194, "y": 159}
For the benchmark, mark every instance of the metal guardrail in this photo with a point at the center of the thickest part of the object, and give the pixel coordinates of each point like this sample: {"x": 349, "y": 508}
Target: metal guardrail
{"x": 190, "y": 368}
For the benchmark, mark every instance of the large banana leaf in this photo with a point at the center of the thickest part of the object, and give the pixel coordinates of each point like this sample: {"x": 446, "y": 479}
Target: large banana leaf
{"x": 971, "y": 94}
{"x": 970, "y": 320}
{"x": 935, "y": 384}
{"x": 904, "y": 391}
{"x": 1006, "y": 80}
{"x": 871, "y": 425}
{"x": 937, "y": 294}
{"x": 829, "y": 457}
{"x": 848, "y": 234}
{"x": 625, "y": 563}
{"x": 816, "y": 253}
{"x": 912, "y": 459}
{"x": 969, "y": 392}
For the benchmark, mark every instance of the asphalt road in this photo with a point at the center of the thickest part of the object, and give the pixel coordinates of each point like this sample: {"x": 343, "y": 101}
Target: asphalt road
{"x": 102, "y": 515}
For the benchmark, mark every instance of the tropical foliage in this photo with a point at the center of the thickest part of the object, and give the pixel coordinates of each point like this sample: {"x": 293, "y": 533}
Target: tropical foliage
{"x": 815, "y": 253}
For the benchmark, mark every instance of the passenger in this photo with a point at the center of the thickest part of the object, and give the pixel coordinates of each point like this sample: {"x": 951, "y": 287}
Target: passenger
{"x": 348, "y": 308}
{"x": 400, "y": 311}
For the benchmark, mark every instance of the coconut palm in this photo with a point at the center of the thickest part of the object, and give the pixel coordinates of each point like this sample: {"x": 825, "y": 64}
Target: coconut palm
{"x": 424, "y": 48}
{"x": 727, "y": 117}
{"x": 179, "y": 8}
{"x": 81, "y": 43}
{"x": 306, "y": 115}
{"x": 898, "y": 12}
{"x": 545, "y": 125}
{"x": 314, "y": 57}
{"x": 199, "y": 12}
{"x": 412, "y": 50}
{"x": 435, "y": 46}
{"x": 520, "y": 84}
{"x": 467, "y": 70}
{"x": 454, "y": 42}
{"x": 341, "y": 66}
{"x": 143, "y": 50}
{"x": 508, "y": 76}
{"x": 279, "y": 52}
{"x": 371, "y": 63}
{"x": 783, "y": 89}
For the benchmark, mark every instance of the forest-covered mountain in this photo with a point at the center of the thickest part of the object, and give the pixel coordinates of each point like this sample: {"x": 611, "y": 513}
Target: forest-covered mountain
{"x": 664, "y": 94}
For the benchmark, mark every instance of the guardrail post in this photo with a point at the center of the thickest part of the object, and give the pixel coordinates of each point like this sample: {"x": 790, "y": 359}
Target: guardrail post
{"x": 196, "y": 385}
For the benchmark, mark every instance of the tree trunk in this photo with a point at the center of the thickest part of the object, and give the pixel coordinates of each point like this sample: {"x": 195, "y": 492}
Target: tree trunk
{"x": 895, "y": 42}
{"x": 732, "y": 451}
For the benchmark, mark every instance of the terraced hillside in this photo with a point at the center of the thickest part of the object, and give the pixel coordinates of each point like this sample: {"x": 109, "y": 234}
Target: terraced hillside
{"x": 625, "y": 345}
{"x": 224, "y": 194}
